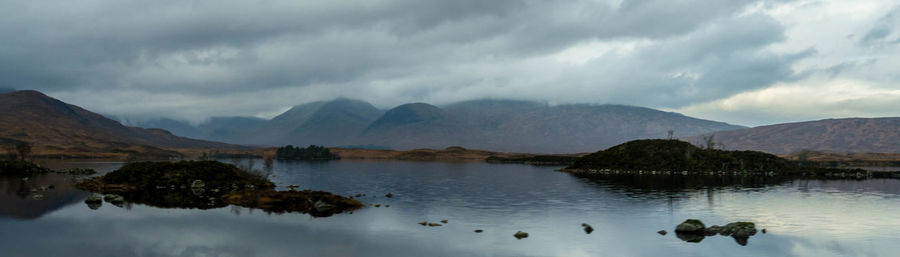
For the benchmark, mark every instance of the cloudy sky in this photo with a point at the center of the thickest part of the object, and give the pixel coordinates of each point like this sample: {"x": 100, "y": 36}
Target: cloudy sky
{"x": 743, "y": 62}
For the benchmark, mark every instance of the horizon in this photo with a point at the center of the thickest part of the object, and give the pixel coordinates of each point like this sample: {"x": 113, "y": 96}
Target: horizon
{"x": 137, "y": 120}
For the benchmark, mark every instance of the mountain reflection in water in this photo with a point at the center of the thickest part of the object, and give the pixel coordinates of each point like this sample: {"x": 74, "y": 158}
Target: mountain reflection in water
{"x": 803, "y": 217}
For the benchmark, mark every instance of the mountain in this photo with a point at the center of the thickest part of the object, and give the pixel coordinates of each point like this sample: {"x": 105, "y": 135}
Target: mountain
{"x": 176, "y": 127}
{"x": 334, "y": 122}
{"x": 522, "y": 126}
{"x": 55, "y": 127}
{"x": 498, "y": 125}
{"x": 230, "y": 129}
{"x": 852, "y": 135}
{"x": 416, "y": 125}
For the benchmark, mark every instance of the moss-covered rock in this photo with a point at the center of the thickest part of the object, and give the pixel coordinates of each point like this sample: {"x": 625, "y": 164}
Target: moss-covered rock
{"x": 691, "y": 226}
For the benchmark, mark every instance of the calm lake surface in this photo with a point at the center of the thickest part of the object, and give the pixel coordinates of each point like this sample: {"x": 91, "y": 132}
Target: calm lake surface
{"x": 802, "y": 217}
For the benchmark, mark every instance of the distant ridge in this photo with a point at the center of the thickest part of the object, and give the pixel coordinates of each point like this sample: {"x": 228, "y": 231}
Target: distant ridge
{"x": 55, "y": 127}
{"x": 490, "y": 124}
{"x": 851, "y": 135}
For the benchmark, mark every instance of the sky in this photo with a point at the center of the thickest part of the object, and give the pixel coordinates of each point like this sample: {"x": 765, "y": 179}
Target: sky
{"x": 743, "y": 62}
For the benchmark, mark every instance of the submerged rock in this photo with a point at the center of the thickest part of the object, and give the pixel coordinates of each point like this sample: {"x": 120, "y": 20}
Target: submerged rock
{"x": 520, "y": 235}
{"x": 691, "y": 226}
{"x": 434, "y": 224}
{"x": 389, "y": 195}
{"x": 444, "y": 221}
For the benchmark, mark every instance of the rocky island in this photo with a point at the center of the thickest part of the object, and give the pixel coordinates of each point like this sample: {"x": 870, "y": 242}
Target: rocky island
{"x": 210, "y": 184}
{"x": 674, "y": 157}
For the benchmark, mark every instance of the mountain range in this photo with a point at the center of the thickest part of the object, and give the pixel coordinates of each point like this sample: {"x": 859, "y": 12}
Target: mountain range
{"x": 58, "y": 128}
{"x": 498, "y": 125}
{"x": 851, "y": 135}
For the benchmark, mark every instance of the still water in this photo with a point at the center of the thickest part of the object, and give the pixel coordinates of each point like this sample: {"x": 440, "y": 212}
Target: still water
{"x": 802, "y": 217}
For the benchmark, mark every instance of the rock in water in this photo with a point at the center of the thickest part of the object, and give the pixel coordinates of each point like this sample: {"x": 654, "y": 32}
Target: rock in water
{"x": 479, "y": 231}
{"x": 691, "y": 226}
{"x": 321, "y": 206}
{"x": 389, "y": 195}
{"x": 714, "y": 230}
{"x": 94, "y": 198}
{"x": 114, "y": 199}
{"x": 662, "y": 232}
{"x": 444, "y": 221}
{"x": 520, "y": 235}
{"x": 587, "y": 228}
{"x": 739, "y": 229}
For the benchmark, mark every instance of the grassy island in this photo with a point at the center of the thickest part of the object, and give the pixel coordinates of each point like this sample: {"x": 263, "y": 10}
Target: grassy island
{"x": 210, "y": 184}
{"x": 674, "y": 157}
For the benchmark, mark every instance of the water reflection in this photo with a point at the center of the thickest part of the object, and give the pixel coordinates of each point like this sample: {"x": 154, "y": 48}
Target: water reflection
{"x": 803, "y": 218}
{"x": 32, "y": 197}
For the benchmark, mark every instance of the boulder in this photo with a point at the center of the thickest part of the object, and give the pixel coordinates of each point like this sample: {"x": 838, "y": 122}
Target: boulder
{"x": 662, "y": 232}
{"x": 691, "y": 226}
{"x": 94, "y": 198}
{"x": 739, "y": 229}
{"x": 714, "y": 230}
{"x": 587, "y": 228}
{"x": 198, "y": 184}
{"x": 520, "y": 235}
{"x": 323, "y": 206}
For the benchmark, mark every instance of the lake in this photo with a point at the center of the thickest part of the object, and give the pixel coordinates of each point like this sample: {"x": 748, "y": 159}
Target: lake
{"x": 802, "y": 217}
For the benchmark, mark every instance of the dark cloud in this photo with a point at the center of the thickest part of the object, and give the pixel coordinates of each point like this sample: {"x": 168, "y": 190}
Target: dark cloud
{"x": 218, "y": 52}
{"x": 883, "y": 28}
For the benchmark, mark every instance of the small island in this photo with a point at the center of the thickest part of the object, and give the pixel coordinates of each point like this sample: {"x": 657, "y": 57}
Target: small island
{"x": 207, "y": 185}
{"x": 310, "y": 153}
{"x": 674, "y": 157}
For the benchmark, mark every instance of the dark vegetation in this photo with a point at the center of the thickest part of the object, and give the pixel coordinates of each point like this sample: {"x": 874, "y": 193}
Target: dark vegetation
{"x": 211, "y": 184}
{"x": 310, "y": 153}
{"x": 658, "y": 155}
{"x": 20, "y": 168}
{"x": 214, "y": 174}
{"x": 674, "y": 155}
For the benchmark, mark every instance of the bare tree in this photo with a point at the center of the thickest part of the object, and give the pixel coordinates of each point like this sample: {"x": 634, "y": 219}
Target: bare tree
{"x": 11, "y": 152}
{"x": 710, "y": 141}
{"x": 24, "y": 149}
{"x": 671, "y": 134}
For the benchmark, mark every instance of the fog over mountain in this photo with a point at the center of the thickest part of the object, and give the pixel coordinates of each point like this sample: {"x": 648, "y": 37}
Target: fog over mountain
{"x": 502, "y": 125}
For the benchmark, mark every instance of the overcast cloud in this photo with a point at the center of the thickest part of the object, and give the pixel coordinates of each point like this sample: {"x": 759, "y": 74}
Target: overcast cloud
{"x": 745, "y": 62}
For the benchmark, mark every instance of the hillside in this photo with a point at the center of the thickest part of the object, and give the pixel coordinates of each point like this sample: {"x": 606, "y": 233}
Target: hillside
{"x": 853, "y": 135}
{"x": 58, "y": 128}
